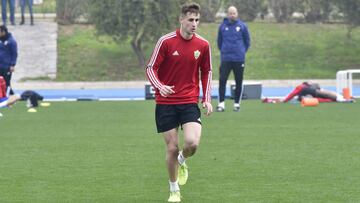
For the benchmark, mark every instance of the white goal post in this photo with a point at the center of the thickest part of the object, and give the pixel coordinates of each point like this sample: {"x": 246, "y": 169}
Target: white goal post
{"x": 344, "y": 79}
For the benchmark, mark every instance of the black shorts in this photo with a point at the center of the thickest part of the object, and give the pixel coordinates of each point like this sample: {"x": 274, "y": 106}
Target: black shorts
{"x": 171, "y": 116}
{"x": 307, "y": 91}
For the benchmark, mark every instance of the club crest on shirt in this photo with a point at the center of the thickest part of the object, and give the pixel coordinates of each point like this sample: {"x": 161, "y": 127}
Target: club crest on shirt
{"x": 237, "y": 29}
{"x": 196, "y": 54}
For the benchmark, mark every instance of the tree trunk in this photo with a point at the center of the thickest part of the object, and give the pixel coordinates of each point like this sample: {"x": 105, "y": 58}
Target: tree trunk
{"x": 349, "y": 30}
{"x": 62, "y": 12}
{"x": 136, "y": 46}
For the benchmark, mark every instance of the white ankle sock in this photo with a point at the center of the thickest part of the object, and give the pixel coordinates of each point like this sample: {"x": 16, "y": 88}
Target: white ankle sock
{"x": 340, "y": 98}
{"x": 236, "y": 105}
{"x": 181, "y": 158}
{"x": 174, "y": 186}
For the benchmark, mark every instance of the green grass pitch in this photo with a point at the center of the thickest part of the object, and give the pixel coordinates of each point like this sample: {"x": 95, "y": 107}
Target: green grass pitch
{"x": 110, "y": 152}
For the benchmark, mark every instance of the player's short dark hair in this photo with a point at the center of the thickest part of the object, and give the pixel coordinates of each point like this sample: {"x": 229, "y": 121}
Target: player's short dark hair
{"x": 190, "y": 7}
{"x": 3, "y": 28}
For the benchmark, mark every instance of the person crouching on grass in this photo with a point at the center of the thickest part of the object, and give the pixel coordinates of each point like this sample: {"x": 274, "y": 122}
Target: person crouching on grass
{"x": 6, "y": 101}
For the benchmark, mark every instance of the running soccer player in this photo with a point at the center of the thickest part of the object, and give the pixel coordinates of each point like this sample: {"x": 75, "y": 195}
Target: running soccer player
{"x": 179, "y": 59}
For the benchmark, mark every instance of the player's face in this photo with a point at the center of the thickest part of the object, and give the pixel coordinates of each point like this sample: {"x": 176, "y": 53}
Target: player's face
{"x": 189, "y": 23}
{"x": 232, "y": 14}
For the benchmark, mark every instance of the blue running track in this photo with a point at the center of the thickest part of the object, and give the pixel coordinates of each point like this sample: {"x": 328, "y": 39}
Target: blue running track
{"x": 139, "y": 93}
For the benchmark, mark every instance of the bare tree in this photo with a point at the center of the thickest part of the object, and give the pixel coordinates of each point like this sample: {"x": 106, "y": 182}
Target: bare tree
{"x": 136, "y": 21}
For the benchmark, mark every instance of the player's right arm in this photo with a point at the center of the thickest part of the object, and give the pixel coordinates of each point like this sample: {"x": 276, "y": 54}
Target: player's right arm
{"x": 166, "y": 90}
{"x": 292, "y": 94}
{"x": 153, "y": 66}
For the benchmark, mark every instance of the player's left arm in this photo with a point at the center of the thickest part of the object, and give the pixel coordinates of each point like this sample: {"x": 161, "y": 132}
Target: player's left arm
{"x": 219, "y": 38}
{"x": 206, "y": 77}
{"x": 246, "y": 37}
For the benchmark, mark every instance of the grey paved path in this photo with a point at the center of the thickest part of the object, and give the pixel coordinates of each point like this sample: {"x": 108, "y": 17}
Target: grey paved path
{"x": 37, "y": 49}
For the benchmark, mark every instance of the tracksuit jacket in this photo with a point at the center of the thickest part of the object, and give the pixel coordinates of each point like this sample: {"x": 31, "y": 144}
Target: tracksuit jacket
{"x": 233, "y": 40}
{"x": 8, "y": 51}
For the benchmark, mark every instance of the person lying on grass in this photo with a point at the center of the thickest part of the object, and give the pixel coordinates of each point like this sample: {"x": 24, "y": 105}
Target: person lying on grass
{"x": 307, "y": 89}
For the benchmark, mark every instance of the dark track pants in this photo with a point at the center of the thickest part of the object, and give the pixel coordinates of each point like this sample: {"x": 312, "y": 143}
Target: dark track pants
{"x": 238, "y": 69}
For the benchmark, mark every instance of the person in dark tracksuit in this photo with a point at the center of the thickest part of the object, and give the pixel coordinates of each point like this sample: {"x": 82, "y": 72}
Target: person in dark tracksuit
{"x": 4, "y": 12}
{"x": 233, "y": 42}
{"x": 8, "y": 56}
{"x": 23, "y": 4}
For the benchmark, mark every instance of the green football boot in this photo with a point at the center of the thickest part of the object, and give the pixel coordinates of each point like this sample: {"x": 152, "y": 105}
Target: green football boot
{"x": 175, "y": 197}
{"x": 183, "y": 174}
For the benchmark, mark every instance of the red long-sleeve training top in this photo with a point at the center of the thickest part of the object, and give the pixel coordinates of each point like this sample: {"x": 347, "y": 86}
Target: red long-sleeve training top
{"x": 181, "y": 63}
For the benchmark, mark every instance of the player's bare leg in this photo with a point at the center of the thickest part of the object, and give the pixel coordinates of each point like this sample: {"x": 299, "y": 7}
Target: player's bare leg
{"x": 327, "y": 94}
{"x": 12, "y": 99}
{"x": 172, "y": 151}
{"x": 192, "y": 134}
